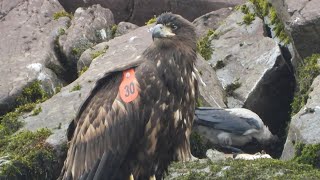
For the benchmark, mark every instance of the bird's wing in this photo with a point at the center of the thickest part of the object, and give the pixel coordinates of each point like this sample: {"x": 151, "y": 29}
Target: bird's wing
{"x": 106, "y": 127}
{"x": 221, "y": 119}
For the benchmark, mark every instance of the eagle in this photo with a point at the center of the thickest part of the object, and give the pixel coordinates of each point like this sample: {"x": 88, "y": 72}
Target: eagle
{"x": 138, "y": 119}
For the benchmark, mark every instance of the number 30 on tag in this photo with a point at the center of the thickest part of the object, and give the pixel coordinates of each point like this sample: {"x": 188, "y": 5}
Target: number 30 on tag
{"x": 128, "y": 90}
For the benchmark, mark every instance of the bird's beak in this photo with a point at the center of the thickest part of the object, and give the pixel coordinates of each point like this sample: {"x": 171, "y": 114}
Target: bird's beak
{"x": 161, "y": 31}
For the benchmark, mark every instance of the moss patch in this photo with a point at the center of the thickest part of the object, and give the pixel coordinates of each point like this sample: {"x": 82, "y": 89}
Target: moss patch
{"x": 60, "y": 14}
{"x": 114, "y": 30}
{"x": 152, "y": 20}
{"x": 230, "y": 88}
{"x": 306, "y": 72}
{"x": 31, "y": 94}
{"x": 96, "y": 54}
{"x": 198, "y": 145}
{"x": 264, "y": 8}
{"x": 76, "y": 88}
{"x": 308, "y": 154}
{"x": 248, "y": 17}
{"x": 29, "y": 156}
{"x": 84, "y": 69}
{"x": 37, "y": 111}
{"x": 204, "y": 45}
{"x": 244, "y": 169}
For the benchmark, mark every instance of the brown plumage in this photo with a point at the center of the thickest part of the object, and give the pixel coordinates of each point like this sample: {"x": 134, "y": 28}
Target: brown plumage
{"x": 112, "y": 139}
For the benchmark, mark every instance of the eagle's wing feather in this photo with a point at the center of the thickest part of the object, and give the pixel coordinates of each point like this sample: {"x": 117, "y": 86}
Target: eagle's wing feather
{"x": 104, "y": 132}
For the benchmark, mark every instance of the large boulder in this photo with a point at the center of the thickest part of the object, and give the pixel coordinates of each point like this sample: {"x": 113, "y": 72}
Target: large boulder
{"x": 302, "y": 21}
{"x": 27, "y": 49}
{"x": 304, "y": 126}
{"x": 125, "y": 27}
{"x": 139, "y": 11}
{"x": 253, "y": 71}
{"x": 89, "y": 26}
{"x": 211, "y": 20}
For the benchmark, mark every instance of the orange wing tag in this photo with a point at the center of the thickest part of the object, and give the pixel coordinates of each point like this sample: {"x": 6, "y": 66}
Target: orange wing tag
{"x": 128, "y": 90}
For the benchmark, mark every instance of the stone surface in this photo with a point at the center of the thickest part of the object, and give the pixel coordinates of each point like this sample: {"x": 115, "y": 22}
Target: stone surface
{"x": 125, "y": 27}
{"x": 89, "y": 26}
{"x": 304, "y": 126}
{"x": 140, "y": 11}
{"x": 256, "y": 62}
{"x": 27, "y": 48}
{"x": 211, "y": 20}
{"x": 302, "y": 21}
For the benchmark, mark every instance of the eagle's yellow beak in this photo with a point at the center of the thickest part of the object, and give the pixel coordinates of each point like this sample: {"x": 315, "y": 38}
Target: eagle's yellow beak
{"x": 161, "y": 31}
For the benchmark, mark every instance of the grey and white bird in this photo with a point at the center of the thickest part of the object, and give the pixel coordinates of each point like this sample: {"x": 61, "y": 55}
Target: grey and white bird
{"x": 232, "y": 127}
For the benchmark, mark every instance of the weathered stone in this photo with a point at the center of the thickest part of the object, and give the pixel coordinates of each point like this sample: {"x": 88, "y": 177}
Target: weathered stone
{"x": 211, "y": 91}
{"x": 304, "y": 126}
{"x": 254, "y": 72}
{"x": 124, "y": 28}
{"x": 211, "y": 20}
{"x": 302, "y": 21}
{"x": 140, "y": 11}
{"x": 27, "y": 49}
{"x": 89, "y": 26}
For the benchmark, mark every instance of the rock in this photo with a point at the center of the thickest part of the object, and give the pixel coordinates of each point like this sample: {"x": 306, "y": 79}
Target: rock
{"x": 253, "y": 71}
{"x": 215, "y": 155}
{"x": 252, "y": 156}
{"x": 89, "y": 26}
{"x": 304, "y": 126}
{"x": 302, "y": 21}
{"x": 28, "y": 33}
{"x": 124, "y": 28}
{"x": 140, "y": 11}
{"x": 211, "y": 20}
{"x": 211, "y": 91}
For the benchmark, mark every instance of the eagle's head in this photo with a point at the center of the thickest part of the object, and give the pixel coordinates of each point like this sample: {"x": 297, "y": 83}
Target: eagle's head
{"x": 172, "y": 29}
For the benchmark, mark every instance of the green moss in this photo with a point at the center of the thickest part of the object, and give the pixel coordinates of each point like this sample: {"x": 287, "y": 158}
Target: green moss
{"x": 245, "y": 169}
{"x": 244, "y": 9}
{"x": 198, "y": 145}
{"x": 37, "y": 111}
{"x": 57, "y": 89}
{"x": 152, "y": 20}
{"x": 220, "y": 64}
{"x": 9, "y": 124}
{"x": 204, "y": 45}
{"x": 248, "y": 18}
{"x": 306, "y": 73}
{"x": 31, "y": 94}
{"x": 308, "y": 154}
{"x": 76, "y": 88}
{"x": 96, "y": 54}
{"x": 61, "y": 31}
{"x": 230, "y": 88}
{"x": 60, "y": 14}
{"x": 114, "y": 30}
{"x": 30, "y": 157}
{"x": 84, "y": 69}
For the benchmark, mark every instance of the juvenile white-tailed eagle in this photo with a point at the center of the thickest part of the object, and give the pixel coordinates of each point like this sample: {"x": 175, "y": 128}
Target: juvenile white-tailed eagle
{"x": 138, "y": 119}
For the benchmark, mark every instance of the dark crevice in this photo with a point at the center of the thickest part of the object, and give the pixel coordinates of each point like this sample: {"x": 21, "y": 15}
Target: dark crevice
{"x": 130, "y": 9}
{"x": 268, "y": 31}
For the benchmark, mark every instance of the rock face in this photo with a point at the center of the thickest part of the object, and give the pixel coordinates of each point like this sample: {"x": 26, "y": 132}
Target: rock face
{"x": 252, "y": 70}
{"x": 302, "y": 20}
{"x": 88, "y": 27}
{"x": 211, "y": 20}
{"x": 304, "y": 126}
{"x": 27, "y": 34}
{"x": 125, "y": 27}
{"x": 140, "y": 11}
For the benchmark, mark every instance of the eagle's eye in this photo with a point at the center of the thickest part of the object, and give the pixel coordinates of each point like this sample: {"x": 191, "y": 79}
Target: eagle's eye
{"x": 174, "y": 27}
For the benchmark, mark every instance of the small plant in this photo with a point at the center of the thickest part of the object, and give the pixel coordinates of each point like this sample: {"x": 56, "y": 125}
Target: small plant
{"x": 306, "y": 74}
{"x": 204, "y": 45}
{"x": 37, "y": 111}
{"x": 308, "y": 154}
{"x": 76, "y": 88}
{"x": 152, "y": 20}
{"x": 95, "y": 54}
{"x": 113, "y": 30}
{"x": 244, "y": 9}
{"x": 220, "y": 64}
{"x": 57, "y": 89}
{"x": 248, "y": 18}
{"x": 232, "y": 87}
{"x": 31, "y": 94}
{"x": 61, "y": 31}
{"x": 60, "y": 14}
{"x": 84, "y": 69}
